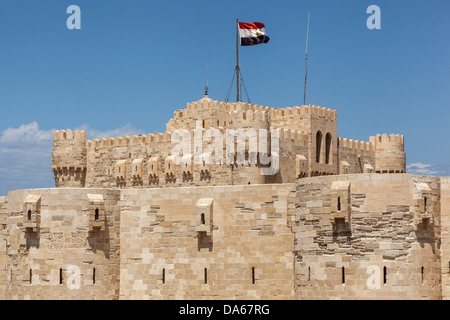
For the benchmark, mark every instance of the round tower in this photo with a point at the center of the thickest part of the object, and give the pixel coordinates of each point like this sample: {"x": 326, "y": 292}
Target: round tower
{"x": 390, "y": 154}
{"x": 69, "y": 158}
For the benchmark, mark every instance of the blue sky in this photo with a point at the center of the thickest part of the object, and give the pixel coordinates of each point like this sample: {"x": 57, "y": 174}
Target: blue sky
{"x": 134, "y": 62}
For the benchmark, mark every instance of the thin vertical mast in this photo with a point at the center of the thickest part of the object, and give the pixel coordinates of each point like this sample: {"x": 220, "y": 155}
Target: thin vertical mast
{"x": 237, "y": 61}
{"x": 306, "y": 61}
{"x": 206, "y": 82}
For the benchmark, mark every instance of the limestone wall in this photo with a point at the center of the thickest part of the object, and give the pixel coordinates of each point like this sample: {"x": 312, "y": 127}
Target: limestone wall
{"x": 356, "y": 156}
{"x": 52, "y": 253}
{"x": 445, "y": 248}
{"x": 3, "y": 241}
{"x": 245, "y": 244}
{"x": 368, "y": 237}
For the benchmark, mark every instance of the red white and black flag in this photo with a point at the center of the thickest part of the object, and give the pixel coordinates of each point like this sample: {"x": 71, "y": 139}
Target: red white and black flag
{"x": 252, "y": 33}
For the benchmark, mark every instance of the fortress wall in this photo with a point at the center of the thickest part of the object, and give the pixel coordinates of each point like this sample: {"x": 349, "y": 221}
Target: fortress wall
{"x": 356, "y": 156}
{"x": 63, "y": 250}
{"x": 246, "y": 227}
{"x": 445, "y": 248}
{"x": 381, "y": 226}
{"x": 292, "y": 144}
{"x": 3, "y": 240}
{"x": 104, "y": 154}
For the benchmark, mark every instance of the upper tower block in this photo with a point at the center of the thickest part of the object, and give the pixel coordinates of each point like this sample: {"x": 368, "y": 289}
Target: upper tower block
{"x": 389, "y": 153}
{"x": 69, "y": 158}
{"x": 217, "y": 114}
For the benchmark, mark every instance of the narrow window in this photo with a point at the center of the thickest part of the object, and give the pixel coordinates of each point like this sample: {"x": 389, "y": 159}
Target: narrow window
{"x": 309, "y": 273}
{"x": 135, "y": 168}
{"x": 152, "y": 167}
{"x": 93, "y": 276}
{"x": 218, "y": 122}
{"x": 169, "y": 166}
{"x": 119, "y": 169}
{"x": 206, "y": 276}
{"x": 343, "y": 275}
{"x": 164, "y": 276}
{"x": 253, "y": 275}
{"x": 202, "y": 217}
{"x": 425, "y": 200}
{"x": 327, "y": 148}
{"x": 29, "y": 215}
{"x": 384, "y": 274}
{"x": 60, "y": 276}
{"x": 203, "y": 123}
{"x": 318, "y": 145}
{"x": 339, "y": 203}
{"x": 31, "y": 276}
{"x": 422, "y": 273}
{"x": 96, "y": 215}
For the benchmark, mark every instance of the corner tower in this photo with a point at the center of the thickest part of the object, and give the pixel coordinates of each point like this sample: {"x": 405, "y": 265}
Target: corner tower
{"x": 390, "y": 154}
{"x": 69, "y": 158}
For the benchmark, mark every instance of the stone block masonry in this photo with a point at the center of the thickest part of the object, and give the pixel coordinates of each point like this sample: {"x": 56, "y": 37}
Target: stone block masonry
{"x": 358, "y": 236}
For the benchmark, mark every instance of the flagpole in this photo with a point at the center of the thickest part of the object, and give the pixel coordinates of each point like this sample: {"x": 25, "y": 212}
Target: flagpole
{"x": 306, "y": 62}
{"x": 237, "y": 61}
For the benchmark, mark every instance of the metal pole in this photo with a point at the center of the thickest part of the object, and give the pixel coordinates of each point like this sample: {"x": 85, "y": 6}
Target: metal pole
{"x": 237, "y": 61}
{"x": 306, "y": 62}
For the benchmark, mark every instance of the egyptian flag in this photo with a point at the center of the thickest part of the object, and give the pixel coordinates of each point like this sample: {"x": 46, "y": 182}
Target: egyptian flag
{"x": 252, "y": 33}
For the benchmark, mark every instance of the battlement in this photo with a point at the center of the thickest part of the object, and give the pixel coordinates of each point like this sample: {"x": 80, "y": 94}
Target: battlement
{"x": 385, "y": 140}
{"x": 297, "y": 112}
{"x": 356, "y": 145}
{"x": 78, "y": 135}
{"x": 248, "y": 111}
{"x": 133, "y": 140}
{"x": 293, "y": 136}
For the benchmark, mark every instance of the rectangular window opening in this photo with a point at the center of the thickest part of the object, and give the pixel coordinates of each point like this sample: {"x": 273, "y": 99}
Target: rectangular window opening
{"x": 253, "y": 275}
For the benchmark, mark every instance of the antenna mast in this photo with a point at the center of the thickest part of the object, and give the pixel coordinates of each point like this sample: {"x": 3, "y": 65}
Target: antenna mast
{"x": 306, "y": 61}
{"x": 206, "y": 81}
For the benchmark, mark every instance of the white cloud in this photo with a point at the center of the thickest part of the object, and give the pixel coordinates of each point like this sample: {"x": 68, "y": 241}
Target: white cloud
{"x": 428, "y": 169}
{"x": 26, "y": 134}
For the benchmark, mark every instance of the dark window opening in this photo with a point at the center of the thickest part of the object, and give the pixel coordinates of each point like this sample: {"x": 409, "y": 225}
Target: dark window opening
{"x": 328, "y": 148}
{"x": 318, "y": 145}
{"x": 96, "y": 215}
{"x": 343, "y": 275}
{"x": 206, "y": 276}
{"x": 29, "y": 215}
{"x": 60, "y": 276}
{"x": 164, "y": 276}
{"x": 425, "y": 200}
{"x": 31, "y": 276}
{"x": 253, "y": 275}
{"x": 422, "y": 273}
{"x": 202, "y": 218}
{"x": 93, "y": 276}
{"x": 339, "y": 203}
{"x": 384, "y": 275}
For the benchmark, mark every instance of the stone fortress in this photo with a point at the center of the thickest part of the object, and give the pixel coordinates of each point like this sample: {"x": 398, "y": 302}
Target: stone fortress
{"x": 340, "y": 219}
